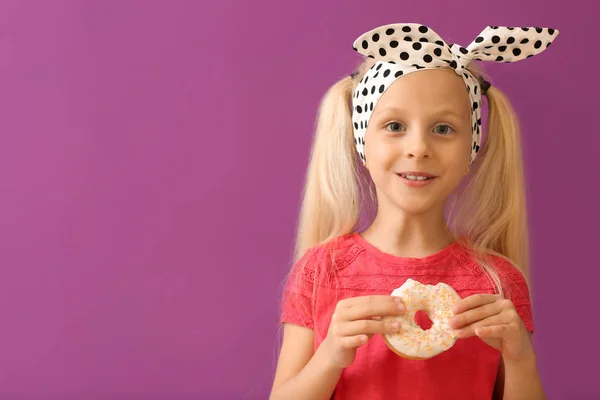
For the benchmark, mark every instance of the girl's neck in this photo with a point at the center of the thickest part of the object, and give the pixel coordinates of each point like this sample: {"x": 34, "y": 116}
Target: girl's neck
{"x": 409, "y": 235}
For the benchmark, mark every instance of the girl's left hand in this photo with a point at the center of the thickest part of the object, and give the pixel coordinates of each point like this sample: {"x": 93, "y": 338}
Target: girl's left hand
{"x": 495, "y": 321}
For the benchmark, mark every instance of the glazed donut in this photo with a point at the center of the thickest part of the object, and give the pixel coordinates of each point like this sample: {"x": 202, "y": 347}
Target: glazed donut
{"x": 437, "y": 301}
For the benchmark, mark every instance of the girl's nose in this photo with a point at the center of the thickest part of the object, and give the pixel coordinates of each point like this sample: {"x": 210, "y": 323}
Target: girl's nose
{"x": 416, "y": 144}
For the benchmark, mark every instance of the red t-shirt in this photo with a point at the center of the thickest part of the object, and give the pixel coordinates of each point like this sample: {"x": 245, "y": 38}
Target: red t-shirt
{"x": 351, "y": 267}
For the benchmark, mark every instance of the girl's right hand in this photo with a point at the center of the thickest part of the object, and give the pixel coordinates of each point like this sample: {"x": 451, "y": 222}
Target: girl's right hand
{"x": 355, "y": 321}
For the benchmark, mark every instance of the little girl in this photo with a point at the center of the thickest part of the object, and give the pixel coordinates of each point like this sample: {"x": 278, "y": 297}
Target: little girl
{"x": 449, "y": 207}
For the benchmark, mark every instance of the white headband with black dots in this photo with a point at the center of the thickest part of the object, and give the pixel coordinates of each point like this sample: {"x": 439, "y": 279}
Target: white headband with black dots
{"x": 400, "y": 49}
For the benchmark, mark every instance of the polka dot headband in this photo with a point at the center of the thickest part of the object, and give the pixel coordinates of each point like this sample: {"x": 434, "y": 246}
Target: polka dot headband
{"x": 400, "y": 49}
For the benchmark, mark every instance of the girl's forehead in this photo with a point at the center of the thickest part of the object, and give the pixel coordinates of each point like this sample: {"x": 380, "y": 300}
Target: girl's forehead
{"x": 431, "y": 87}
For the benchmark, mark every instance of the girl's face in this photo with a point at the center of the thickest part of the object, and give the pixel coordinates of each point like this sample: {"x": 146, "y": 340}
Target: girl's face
{"x": 418, "y": 142}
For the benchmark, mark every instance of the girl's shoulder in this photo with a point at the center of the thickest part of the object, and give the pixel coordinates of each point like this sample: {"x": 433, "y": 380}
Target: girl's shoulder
{"x": 514, "y": 282}
{"x": 503, "y": 266}
{"x": 337, "y": 252}
{"x": 507, "y": 271}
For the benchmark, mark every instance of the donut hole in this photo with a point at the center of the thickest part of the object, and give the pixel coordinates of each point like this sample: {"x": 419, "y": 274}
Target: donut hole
{"x": 423, "y": 320}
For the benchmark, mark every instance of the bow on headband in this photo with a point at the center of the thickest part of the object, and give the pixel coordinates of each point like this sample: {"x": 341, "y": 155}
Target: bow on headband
{"x": 400, "y": 49}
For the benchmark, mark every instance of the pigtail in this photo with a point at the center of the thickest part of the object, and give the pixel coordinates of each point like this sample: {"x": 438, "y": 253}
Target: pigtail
{"x": 331, "y": 198}
{"x": 493, "y": 206}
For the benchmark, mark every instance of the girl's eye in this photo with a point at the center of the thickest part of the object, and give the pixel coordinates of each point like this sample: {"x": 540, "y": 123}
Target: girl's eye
{"x": 443, "y": 129}
{"x": 395, "y": 127}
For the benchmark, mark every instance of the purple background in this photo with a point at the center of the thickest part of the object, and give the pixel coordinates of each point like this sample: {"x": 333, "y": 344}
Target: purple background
{"x": 151, "y": 163}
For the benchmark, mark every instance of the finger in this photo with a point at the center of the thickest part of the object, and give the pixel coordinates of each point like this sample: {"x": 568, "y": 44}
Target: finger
{"x": 368, "y": 327}
{"x": 475, "y": 314}
{"x": 354, "y": 301}
{"x": 351, "y": 342}
{"x": 469, "y": 330}
{"x": 474, "y": 301}
{"x": 494, "y": 331}
{"x": 374, "y": 308}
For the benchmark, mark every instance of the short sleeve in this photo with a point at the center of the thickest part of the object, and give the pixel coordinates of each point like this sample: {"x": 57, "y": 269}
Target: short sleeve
{"x": 517, "y": 290}
{"x": 297, "y": 306}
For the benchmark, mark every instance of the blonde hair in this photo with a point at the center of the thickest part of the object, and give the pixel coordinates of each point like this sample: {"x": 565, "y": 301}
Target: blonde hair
{"x": 489, "y": 214}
